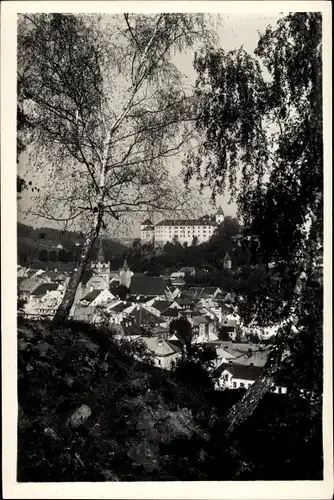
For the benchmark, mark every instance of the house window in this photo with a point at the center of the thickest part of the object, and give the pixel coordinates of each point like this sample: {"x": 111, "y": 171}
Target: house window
{"x": 242, "y": 385}
{"x": 280, "y": 390}
{"x": 234, "y": 385}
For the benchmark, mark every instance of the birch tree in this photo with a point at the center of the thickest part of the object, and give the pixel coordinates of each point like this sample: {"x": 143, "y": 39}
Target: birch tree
{"x": 260, "y": 118}
{"x": 109, "y": 113}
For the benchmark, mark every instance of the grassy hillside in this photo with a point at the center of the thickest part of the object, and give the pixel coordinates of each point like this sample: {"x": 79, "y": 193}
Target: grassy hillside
{"x": 94, "y": 409}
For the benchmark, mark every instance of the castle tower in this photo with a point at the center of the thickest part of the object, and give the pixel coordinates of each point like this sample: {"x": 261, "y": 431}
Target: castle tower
{"x": 101, "y": 268}
{"x": 147, "y": 231}
{"x": 220, "y": 216}
{"x": 125, "y": 275}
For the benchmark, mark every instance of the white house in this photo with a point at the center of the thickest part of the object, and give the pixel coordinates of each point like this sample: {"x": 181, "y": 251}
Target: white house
{"x": 204, "y": 329}
{"x": 234, "y": 376}
{"x": 158, "y": 306}
{"x": 164, "y": 352}
{"x": 44, "y": 305}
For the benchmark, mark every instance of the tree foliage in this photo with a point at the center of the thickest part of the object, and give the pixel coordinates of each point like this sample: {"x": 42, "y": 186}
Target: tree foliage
{"x": 109, "y": 110}
{"x": 259, "y": 120}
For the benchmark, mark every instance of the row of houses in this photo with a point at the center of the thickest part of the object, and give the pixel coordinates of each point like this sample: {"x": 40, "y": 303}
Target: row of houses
{"x": 145, "y": 313}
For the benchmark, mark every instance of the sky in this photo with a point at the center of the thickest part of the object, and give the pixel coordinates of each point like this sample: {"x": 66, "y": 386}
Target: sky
{"x": 234, "y": 32}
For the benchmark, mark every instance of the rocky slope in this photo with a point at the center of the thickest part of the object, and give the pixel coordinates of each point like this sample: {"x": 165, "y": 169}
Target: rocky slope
{"x": 94, "y": 409}
{"x": 89, "y": 410}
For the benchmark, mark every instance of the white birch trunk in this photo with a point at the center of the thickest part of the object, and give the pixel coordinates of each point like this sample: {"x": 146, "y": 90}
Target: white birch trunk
{"x": 64, "y": 309}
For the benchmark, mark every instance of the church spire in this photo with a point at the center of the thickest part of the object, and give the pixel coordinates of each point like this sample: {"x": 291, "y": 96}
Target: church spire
{"x": 100, "y": 257}
{"x": 125, "y": 265}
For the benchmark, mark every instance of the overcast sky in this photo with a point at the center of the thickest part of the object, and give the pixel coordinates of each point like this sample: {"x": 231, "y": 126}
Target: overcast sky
{"x": 235, "y": 31}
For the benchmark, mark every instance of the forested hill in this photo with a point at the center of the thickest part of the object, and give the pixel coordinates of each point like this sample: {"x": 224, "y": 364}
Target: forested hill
{"x": 43, "y": 244}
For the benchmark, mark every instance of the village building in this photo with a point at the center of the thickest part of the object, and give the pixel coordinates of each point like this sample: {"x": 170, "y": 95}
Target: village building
{"x": 28, "y": 285}
{"x": 44, "y": 301}
{"x": 233, "y": 376}
{"x": 158, "y": 306}
{"x": 147, "y": 286}
{"x": 96, "y": 298}
{"x": 165, "y": 354}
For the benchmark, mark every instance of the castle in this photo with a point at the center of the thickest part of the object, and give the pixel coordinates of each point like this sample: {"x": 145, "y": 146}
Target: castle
{"x": 184, "y": 230}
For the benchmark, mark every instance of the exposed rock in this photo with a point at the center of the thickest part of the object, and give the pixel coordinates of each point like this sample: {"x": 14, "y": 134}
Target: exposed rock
{"x": 79, "y": 416}
{"x": 109, "y": 475}
{"x": 52, "y": 433}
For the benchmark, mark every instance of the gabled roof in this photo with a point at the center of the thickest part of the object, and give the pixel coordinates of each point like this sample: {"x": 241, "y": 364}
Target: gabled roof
{"x": 161, "y": 305}
{"x": 183, "y": 301}
{"x": 137, "y": 299}
{"x": 202, "y": 291}
{"x": 159, "y": 346}
{"x": 222, "y": 353}
{"x": 142, "y": 316}
{"x": 130, "y": 328}
{"x": 52, "y": 275}
{"x": 91, "y": 296}
{"x": 226, "y": 257}
{"x": 147, "y": 285}
{"x": 44, "y": 288}
{"x": 239, "y": 371}
{"x": 29, "y": 284}
{"x": 257, "y": 358}
{"x": 171, "y": 312}
{"x": 147, "y": 222}
{"x": 228, "y": 298}
{"x": 119, "y": 307}
{"x": 201, "y": 320}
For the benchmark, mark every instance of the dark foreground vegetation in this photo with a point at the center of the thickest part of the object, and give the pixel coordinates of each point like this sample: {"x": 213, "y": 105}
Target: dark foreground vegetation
{"x": 95, "y": 409}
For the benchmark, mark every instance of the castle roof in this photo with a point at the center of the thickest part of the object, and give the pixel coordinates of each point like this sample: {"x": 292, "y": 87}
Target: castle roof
{"x": 220, "y": 211}
{"x": 147, "y": 222}
{"x": 185, "y": 222}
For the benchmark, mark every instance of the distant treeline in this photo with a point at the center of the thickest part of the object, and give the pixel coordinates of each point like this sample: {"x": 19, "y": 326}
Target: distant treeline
{"x": 40, "y": 244}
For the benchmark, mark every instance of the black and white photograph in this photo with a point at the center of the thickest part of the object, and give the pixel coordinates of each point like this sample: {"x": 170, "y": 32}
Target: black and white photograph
{"x": 170, "y": 190}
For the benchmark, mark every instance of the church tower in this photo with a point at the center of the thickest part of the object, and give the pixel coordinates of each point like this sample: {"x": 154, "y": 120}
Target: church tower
{"x": 101, "y": 268}
{"x": 125, "y": 275}
{"x": 220, "y": 216}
